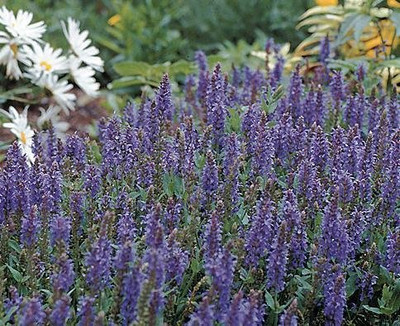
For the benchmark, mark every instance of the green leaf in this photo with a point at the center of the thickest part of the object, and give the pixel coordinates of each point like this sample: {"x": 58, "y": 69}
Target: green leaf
{"x": 234, "y": 120}
{"x": 132, "y": 68}
{"x": 15, "y": 274}
{"x": 372, "y": 309}
{"x": 304, "y": 284}
{"x": 353, "y": 22}
{"x": 131, "y": 81}
{"x": 11, "y": 311}
{"x": 351, "y": 285}
{"x": 182, "y": 67}
{"x": 270, "y": 300}
{"x": 14, "y": 245}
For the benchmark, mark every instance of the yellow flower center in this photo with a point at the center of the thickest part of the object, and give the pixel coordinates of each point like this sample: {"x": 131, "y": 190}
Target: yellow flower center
{"x": 23, "y": 138}
{"x": 14, "y": 49}
{"x": 114, "y": 20}
{"x": 47, "y": 66}
{"x": 325, "y": 3}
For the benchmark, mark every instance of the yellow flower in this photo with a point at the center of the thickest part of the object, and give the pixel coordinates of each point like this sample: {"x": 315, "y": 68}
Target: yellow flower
{"x": 381, "y": 42}
{"x": 393, "y": 3}
{"x": 114, "y": 20}
{"x": 326, "y": 3}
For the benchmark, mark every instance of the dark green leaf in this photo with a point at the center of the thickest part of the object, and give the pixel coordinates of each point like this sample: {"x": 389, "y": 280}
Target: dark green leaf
{"x": 15, "y": 274}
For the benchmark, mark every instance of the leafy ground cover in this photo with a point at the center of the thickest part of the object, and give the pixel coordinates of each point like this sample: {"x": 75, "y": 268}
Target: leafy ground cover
{"x": 238, "y": 203}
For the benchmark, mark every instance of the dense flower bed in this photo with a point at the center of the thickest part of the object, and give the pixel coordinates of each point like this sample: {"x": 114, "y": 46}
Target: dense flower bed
{"x": 230, "y": 206}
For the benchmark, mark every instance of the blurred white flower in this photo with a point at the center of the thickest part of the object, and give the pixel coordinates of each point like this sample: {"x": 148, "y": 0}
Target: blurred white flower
{"x": 11, "y": 55}
{"x": 59, "y": 90}
{"x": 52, "y": 115}
{"x": 80, "y": 44}
{"x": 84, "y": 76}
{"x": 20, "y": 128}
{"x": 20, "y": 26}
{"x": 44, "y": 62}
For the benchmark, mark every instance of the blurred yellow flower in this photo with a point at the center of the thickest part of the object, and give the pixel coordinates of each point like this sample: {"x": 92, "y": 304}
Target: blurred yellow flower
{"x": 393, "y": 3}
{"x": 114, "y": 20}
{"x": 380, "y": 40}
{"x": 326, "y": 3}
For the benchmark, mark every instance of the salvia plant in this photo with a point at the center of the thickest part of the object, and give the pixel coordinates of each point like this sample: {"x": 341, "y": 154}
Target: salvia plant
{"x": 238, "y": 204}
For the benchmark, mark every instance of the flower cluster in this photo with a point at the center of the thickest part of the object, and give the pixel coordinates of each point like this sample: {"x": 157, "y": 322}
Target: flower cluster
{"x": 27, "y": 57}
{"x": 218, "y": 209}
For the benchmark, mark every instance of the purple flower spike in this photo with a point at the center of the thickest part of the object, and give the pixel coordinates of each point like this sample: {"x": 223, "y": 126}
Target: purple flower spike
{"x": 61, "y": 311}
{"x": 289, "y": 317}
{"x": 277, "y": 262}
{"x": 204, "y": 316}
{"x": 216, "y": 106}
{"x": 30, "y": 228}
{"x": 164, "y": 105}
{"x": 32, "y": 313}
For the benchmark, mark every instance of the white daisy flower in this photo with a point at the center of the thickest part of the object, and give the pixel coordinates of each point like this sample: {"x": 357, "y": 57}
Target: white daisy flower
{"x": 44, "y": 62}
{"x": 52, "y": 114}
{"x": 59, "y": 91}
{"x": 20, "y": 26}
{"x": 11, "y": 55}
{"x": 84, "y": 76}
{"x": 80, "y": 44}
{"x": 20, "y": 128}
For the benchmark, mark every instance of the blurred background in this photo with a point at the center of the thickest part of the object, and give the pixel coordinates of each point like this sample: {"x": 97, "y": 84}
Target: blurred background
{"x": 157, "y": 31}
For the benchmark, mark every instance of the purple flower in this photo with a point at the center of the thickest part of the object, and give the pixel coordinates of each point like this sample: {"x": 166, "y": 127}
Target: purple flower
{"x": 14, "y": 300}
{"x": 32, "y": 313}
{"x": 92, "y": 181}
{"x": 361, "y": 72}
{"x": 264, "y": 149}
{"x": 60, "y": 228}
{"x": 52, "y": 183}
{"x": 210, "y": 179}
{"x": 235, "y": 315}
{"x": 289, "y": 317}
{"x": 335, "y": 298}
{"x": 98, "y": 261}
{"x": 333, "y": 243}
{"x": 164, "y": 105}
{"x": 61, "y": 311}
{"x": 30, "y": 228}
{"x": 86, "y": 311}
{"x": 262, "y": 228}
{"x": 393, "y": 112}
{"x": 75, "y": 149}
{"x": 64, "y": 275}
{"x": 221, "y": 271}
{"x": 324, "y": 50}
{"x": 253, "y": 310}
{"x": 277, "y": 261}
{"x": 203, "y": 76}
{"x": 172, "y": 214}
{"x": 130, "y": 294}
{"x": 250, "y": 126}
{"x": 130, "y": 114}
{"x": 296, "y": 229}
{"x": 216, "y": 106}
{"x": 295, "y": 92}
{"x": 176, "y": 259}
{"x": 204, "y": 316}
{"x": 52, "y": 145}
{"x": 212, "y": 237}
{"x": 393, "y": 251}
{"x": 126, "y": 228}
{"x": 337, "y": 89}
